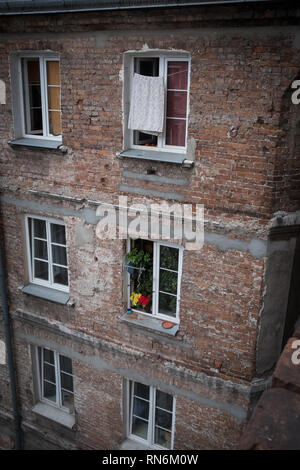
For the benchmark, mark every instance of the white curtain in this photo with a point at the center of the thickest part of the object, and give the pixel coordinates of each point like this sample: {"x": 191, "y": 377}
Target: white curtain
{"x": 147, "y": 104}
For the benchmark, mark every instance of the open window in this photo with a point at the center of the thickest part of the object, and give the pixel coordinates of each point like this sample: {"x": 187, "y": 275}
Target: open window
{"x": 174, "y": 70}
{"x": 154, "y": 277}
{"x": 36, "y": 91}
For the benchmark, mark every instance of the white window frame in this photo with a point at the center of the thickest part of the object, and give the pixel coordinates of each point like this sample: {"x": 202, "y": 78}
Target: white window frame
{"x": 151, "y": 423}
{"x": 30, "y": 253}
{"x": 155, "y": 286}
{"x": 40, "y": 379}
{"x": 20, "y": 93}
{"x": 164, "y": 58}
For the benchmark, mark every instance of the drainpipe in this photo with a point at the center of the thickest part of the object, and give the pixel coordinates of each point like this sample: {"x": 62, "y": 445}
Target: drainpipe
{"x": 9, "y": 349}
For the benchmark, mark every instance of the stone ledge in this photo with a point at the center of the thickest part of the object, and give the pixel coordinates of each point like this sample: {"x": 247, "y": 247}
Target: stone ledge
{"x": 46, "y": 293}
{"x": 150, "y": 323}
{"x": 55, "y": 414}
{"x": 154, "y": 155}
{"x": 130, "y": 444}
{"x": 275, "y": 423}
{"x": 287, "y": 374}
{"x": 38, "y": 144}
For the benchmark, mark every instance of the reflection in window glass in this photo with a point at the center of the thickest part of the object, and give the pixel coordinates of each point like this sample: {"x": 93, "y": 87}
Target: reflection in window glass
{"x": 56, "y": 379}
{"x": 151, "y": 417}
{"x": 41, "y": 96}
{"x": 48, "y": 253}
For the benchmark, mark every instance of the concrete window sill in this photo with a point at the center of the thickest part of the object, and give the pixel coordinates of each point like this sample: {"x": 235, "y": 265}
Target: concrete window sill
{"x": 36, "y": 143}
{"x": 47, "y": 293}
{"x": 150, "y": 323}
{"x": 55, "y": 414}
{"x": 167, "y": 157}
{"x": 130, "y": 444}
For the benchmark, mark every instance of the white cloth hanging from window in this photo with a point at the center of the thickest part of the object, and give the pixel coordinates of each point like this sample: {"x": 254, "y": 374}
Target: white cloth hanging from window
{"x": 147, "y": 104}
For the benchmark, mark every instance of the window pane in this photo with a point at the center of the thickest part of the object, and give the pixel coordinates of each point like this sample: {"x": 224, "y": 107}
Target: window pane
{"x": 49, "y": 356}
{"x": 176, "y": 104}
{"x": 54, "y": 98}
{"x": 139, "y": 428}
{"x": 66, "y": 381}
{"x": 67, "y": 400}
{"x": 141, "y": 390}
{"x": 141, "y": 278}
{"x": 50, "y": 391}
{"x": 36, "y": 121}
{"x": 54, "y": 122}
{"x": 168, "y": 281}
{"x": 39, "y": 228}
{"x": 35, "y": 96}
{"x": 175, "y": 132}
{"x": 58, "y": 234}
{"x": 53, "y": 81}
{"x": 40, "y": 249}
{"x": 140, "y": 138}
{"x": 65, "y": 364}
{"x": 33, "y": 68}
{"x": 141, "y": 408}
{"x": 177, "y": 75}
{"x": 53, "y": 76}
{"x": 49, "y": 373}
{"x": 41, "y": 270}
{"x": 162, "y": 438}
{"x": 169, "y": 257}
{"x": 164, "y": 400}
{"x": 60, "y": 275}
{"x": 59, "y": 255}
{"x": 148, "y": 66}
{"x": 163, "y": 419}
{"x": 167, "y": 304}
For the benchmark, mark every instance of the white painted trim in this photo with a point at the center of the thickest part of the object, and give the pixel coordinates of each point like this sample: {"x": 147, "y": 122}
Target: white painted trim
{"x": 20, "y": 93}
{"x": 30, "y": 253}
{"x": 149, "y": 442}
{"x": 164, "y": 58}
{"x": 40, "y": 380}
{"x": 155, "y": 289}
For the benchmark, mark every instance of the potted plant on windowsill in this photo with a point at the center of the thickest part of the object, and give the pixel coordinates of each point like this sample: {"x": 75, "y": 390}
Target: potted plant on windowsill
{"x": 140, "y": 302}
{"x": 140, "y": 268}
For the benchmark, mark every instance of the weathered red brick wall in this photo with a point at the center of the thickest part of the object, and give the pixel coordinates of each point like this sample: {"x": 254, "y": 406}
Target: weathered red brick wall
{"x": 238, "y": 80}
{"x": 275, "y": 423}
{"x": 219, "y": 306}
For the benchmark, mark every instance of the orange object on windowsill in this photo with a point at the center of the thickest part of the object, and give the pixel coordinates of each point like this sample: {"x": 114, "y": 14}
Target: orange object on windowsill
{"x": 167, "y": 324}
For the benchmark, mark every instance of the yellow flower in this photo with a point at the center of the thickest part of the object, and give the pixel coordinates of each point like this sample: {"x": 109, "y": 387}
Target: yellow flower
{"x": 134, "y": 298}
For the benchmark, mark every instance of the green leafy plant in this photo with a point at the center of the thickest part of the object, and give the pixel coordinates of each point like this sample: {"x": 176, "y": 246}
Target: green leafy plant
{"x": 138, "y": 257}
{"x": 142, "y": 277}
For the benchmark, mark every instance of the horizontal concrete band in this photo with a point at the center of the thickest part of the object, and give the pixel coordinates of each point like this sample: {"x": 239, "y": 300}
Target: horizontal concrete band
{"x": 256, "y": 247}
{"x": 95, "y": 361}
{"x": 101, "y": 37}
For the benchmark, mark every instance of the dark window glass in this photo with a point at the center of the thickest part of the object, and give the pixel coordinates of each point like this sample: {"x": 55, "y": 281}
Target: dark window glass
{"x": 58, "y": 234}
{"x": 164, "y": 400}
{"x": 59, "y": 255}
{"x": 41, "y": 270}
{"x": 65, "y": 364}
{"x": 40, "y": 249}
{"x": 39, "y": 229}
{"x": 60, "y": 275}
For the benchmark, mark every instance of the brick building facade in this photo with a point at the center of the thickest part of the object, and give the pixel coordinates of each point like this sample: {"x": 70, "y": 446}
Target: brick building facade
{"x": 237, "y": 294}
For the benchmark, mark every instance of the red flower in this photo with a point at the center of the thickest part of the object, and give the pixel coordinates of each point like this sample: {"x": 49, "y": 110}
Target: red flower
{"x": 144, "y": 300}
